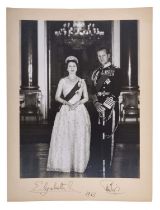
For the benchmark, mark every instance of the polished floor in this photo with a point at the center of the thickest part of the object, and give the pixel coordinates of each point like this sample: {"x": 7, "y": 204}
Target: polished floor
{"x": 35, "y": 145}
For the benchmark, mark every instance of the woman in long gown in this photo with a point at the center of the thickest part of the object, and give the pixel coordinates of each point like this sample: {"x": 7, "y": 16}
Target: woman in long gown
{"x": 70, "y": 140}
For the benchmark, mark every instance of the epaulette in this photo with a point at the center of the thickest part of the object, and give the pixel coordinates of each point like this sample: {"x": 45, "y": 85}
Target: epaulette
{"x": 114, "y": 67}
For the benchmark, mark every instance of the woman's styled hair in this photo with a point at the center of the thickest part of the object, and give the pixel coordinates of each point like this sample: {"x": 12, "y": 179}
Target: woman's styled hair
{"x": 71, "y": 59}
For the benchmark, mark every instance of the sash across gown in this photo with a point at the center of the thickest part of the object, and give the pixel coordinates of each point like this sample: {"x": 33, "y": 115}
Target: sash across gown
{"x": 70, "y": 139}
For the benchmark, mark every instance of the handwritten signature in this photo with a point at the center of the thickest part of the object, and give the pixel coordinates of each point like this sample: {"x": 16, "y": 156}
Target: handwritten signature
{"x": 43, "y": 188}
{"x": 110, "y": 187}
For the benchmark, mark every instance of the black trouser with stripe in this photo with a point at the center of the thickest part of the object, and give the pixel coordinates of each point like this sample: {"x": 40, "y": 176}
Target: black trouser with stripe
{"x": 106, "y": 137}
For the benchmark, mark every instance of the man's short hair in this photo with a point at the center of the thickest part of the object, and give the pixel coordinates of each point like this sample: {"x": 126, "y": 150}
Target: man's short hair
{"x": 102, "y": 47}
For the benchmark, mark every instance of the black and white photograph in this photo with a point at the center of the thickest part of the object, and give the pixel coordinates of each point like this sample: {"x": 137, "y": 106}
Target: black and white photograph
{"x": 79, "y": 99}
{"x": 79, "y": 127}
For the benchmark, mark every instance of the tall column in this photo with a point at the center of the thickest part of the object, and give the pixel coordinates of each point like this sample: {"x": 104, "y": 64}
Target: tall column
{"x": 29, "y": 61}
{"x": 116, "y": 43}
{"x": 129, "y": 53}
{"x": 42, "y": 66}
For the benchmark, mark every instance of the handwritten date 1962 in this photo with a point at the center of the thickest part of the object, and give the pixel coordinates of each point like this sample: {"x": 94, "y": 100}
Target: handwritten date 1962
{"x": 89, "y": 194}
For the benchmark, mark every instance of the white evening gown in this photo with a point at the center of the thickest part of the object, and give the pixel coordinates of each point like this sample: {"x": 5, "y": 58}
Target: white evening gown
{"x": 70, "y": 139}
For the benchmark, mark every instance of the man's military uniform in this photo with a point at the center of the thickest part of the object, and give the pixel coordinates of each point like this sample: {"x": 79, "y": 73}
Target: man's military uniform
{"x": 106, "y": 89}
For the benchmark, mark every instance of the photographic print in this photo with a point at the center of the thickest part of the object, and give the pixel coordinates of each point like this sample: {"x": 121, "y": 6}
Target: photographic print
{"x": 82, "y": 140}
{"x": 79, "y": 108}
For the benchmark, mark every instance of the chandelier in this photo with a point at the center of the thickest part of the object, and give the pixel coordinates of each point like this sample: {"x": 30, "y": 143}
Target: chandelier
{"x": 79, "y": 35}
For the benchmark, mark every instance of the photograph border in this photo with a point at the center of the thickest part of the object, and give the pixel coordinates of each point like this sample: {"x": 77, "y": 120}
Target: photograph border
{"x": 126, "y": 189}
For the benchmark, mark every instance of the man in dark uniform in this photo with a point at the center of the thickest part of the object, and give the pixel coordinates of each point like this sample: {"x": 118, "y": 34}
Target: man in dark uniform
{"x": 106, "y": 89}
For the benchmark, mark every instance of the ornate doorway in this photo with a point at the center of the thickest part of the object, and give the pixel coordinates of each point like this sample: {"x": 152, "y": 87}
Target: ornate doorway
{"x": 58, "y": 51}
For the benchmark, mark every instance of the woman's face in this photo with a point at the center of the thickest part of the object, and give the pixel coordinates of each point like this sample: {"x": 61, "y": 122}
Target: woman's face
{"x": 72, "y": 67}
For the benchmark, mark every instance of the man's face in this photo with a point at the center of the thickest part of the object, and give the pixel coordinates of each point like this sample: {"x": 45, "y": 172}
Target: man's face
{"x": 102, "y": 56}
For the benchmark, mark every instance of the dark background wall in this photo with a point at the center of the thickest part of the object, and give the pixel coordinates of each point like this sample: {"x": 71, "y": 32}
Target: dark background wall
{"x": 87, "y": 57}
{"x": 129, "y": 48}
{"x": 29, "y": 53}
